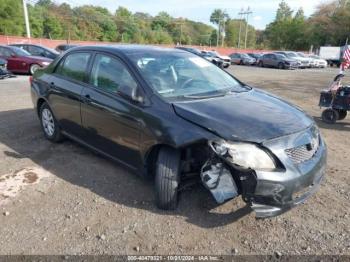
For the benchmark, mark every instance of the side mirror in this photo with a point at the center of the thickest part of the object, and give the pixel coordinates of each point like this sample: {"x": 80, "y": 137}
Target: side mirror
{"x": 13, "y": 55}
{"x": 130, "y": 93}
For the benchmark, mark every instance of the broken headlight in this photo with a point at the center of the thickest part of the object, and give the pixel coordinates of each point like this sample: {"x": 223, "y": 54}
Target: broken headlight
{"x": 245, "y": 155}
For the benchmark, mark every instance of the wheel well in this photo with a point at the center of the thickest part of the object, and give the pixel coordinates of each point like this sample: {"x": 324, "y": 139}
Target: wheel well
{"x": 39, "y": 104}
{"x": 192, "y": 157}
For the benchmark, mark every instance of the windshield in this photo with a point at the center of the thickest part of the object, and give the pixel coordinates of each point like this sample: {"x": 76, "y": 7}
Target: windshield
{"x": 301, "y": 55}
{"x": 19, "y": 51}
{"x": 280, "y": 56}
{"x": 291, "y": 55}
{"x": 184, "y": 75}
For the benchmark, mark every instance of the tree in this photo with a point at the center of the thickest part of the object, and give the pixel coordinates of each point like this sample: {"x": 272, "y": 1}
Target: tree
{"x": 11, "y": 17}
{"x": 218, "y": 18}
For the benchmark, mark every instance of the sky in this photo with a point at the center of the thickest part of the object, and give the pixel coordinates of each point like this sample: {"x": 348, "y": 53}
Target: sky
{"x": 264, "y": 11}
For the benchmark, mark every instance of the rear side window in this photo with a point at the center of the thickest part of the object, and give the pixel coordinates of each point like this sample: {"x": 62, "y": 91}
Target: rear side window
{"x": 74, "y": 66}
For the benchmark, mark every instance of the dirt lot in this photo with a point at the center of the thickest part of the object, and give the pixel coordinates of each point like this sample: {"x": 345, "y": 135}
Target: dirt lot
{"x": 70, "y": 201}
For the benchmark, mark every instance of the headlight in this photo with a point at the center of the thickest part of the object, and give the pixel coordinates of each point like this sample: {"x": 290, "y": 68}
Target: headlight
{"x": 243, "y": 154}
{"x": 45, "y": 63}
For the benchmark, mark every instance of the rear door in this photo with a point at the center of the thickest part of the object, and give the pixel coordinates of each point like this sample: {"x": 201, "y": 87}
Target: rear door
{"x": 112, "y": 121}
{"x": 14, "y": 63}
{"x": 66, "y": 85}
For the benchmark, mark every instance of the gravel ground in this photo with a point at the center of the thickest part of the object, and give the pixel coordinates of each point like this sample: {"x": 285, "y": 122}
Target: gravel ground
{"x": 71, "y": 201}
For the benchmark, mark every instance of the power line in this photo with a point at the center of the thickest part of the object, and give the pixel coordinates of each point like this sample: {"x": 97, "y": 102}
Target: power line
{"x": 244, "y": 13}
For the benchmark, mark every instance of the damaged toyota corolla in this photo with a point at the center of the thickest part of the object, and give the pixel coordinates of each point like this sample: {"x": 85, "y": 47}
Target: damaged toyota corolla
{"x": 173, "y": 116}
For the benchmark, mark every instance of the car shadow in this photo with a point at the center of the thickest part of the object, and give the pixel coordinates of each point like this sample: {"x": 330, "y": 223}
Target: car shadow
{"x": 339, "y": 125}
{"x": 20, "y": 132}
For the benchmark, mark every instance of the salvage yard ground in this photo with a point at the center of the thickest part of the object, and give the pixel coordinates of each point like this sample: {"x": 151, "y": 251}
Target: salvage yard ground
{"x": 63, "y": 199}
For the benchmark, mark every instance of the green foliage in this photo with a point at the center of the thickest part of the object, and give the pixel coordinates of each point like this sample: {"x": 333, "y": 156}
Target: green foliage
{"x": 287, "y": 31}
{"x": 11, "y": 17}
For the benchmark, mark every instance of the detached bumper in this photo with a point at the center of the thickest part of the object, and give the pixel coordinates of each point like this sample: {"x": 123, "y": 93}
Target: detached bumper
{"x": 278, "y": 192}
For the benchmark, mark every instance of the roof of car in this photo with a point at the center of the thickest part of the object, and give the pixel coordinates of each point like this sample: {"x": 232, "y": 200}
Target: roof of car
{"x": 128, "y": 49}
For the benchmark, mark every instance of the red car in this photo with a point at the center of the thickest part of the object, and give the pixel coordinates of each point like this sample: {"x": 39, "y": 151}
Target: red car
{"x": 20, "y": 61}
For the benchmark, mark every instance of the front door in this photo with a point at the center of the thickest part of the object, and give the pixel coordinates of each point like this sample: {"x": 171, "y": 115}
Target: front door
{"x": 112, "y": 122}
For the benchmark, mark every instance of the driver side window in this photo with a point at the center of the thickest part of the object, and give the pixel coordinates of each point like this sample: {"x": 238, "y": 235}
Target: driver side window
{"x": 110, "y": 74}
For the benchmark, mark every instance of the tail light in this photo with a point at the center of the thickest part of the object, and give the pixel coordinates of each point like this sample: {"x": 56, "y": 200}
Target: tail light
{"x": 31, "y": 80}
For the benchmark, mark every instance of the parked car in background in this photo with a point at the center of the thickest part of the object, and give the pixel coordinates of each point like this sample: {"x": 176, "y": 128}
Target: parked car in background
{"x": 3, "y": 64}
{"x": 256, "y": 56}
{"x": 226, "y": 60}
{"x": 20, "y": 61}
{"x": 63, "y": 48}
{"x": 173, "y": 116}
{"x": 313, "y": 62}
{"x": 213, "y": 59}
{"x": 38, "y": 50}
{"x": 278, "y": 61}
{"x": 241, "y": 59}
{"x": 303, "y": 62}
{"x": 320, "y": 63}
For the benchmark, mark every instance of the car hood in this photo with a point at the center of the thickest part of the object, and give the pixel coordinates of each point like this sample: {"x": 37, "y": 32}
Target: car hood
{"x": 224, "y": 57}
{"x": 254, "y": 116}
{"x": 290, "y": 60}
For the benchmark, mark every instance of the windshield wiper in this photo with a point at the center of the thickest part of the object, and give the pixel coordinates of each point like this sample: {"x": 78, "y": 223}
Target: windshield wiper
{"x": 202, "y": 96}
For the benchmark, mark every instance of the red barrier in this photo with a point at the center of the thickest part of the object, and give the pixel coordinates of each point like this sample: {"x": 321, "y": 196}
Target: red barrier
{"x": 7, "y": 40}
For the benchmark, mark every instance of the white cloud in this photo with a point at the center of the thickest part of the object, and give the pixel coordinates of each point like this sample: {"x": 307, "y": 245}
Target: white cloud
{"x": 257, "y": 18}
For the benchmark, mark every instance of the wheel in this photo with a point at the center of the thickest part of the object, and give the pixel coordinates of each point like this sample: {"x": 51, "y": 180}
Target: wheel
{"x": 261, "y": 64}
{"x": 241, "y": 62}
{"x": 167, "y": 178}
{"x": 342, "y": 114}
{"x": 33, "y": 68}
{"x": 280, "y": 66}
{"x": 226, "y": 66}
{"x": 330, "y": 116}
{"x": 49, "y": 124}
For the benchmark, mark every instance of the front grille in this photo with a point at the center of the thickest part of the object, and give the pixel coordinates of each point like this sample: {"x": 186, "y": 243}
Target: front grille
{"x": 303, "y": 153}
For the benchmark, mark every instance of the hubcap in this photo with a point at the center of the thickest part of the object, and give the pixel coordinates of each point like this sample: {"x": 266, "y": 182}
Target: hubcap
{"x": 48, "y": 122}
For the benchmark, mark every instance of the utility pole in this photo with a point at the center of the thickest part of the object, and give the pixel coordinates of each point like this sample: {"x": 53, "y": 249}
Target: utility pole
{"x": 26, "y": 20}
{"x": 218, "y": 34}
{"x": 248, "y": 12}
{"x": 240, "y": 27}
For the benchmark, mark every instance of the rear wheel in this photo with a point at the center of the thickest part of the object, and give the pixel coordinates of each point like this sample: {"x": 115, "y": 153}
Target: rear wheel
{"x": 261, "y": 64}
{"x": 342, "y": 114}
{"x": 167, "y": 178}
{"x": 241, "y": 62}
{"x": 49, "y": 124}
{"x": 330, "y": 116}
{"x": 33, "y": 68}
{"x": 280, "y": 66}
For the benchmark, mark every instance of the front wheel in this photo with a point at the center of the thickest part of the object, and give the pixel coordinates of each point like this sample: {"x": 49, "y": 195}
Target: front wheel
{"x": 167, "y": 178}
{"x": 49, "y": 124}
{"x": 261, "y": 64}
{"x": 280, "y": 66}
{"x": 330, "y": 116}
{"x": 33, "y": 68}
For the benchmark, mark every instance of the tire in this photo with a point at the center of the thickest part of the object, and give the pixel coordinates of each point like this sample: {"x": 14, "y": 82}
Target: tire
{"x": 49, "y": 124}
{"x": 261, "y": 64}
{"x": 342, "y": 114}
{"x": 33, "y": 68}
{"x": 280, "y": 66}
{"x": 330, "y": 116}
{"x": 167, "y": 178}
{"x": 241, "y": 62}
